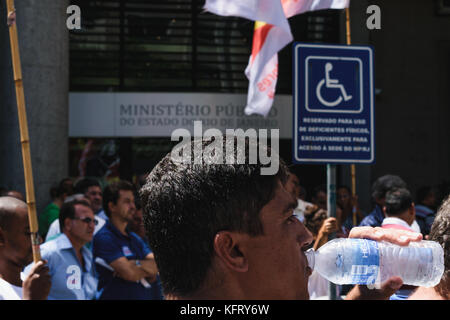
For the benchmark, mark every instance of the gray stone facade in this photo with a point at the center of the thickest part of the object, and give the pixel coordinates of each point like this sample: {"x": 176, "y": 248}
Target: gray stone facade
{"x": 44, "y": 50}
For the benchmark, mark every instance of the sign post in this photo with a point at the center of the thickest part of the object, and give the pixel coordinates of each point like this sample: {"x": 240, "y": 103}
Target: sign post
{"x": 333, "y": 97}
{"x": 331, "y": 205}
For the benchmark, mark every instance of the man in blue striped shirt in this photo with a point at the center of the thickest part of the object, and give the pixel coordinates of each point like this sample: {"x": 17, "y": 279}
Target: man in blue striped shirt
{"x": 71, "y": 263}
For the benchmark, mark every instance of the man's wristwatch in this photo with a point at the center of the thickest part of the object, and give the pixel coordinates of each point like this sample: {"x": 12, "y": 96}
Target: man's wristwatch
{"x": 138, "y": 263}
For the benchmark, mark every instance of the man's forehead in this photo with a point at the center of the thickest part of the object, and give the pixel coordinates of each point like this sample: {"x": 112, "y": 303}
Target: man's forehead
{"x": 82, "y": 209}
{"x": 94, "y": 189}
{"x": 126, "y": 194}
{"x": 281, "y": 201}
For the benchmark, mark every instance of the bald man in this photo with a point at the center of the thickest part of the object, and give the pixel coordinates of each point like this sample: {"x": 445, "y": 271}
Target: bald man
{"x": 16, "y": 253}
{"x": 14, "y": 194}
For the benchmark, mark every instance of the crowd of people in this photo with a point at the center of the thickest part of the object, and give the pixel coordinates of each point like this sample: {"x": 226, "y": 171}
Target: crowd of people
{"x": 203, "y": 231}
{"x": 93, "y": 245}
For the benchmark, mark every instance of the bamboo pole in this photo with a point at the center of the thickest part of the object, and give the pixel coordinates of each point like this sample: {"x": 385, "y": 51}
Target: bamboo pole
{"x": 24, "y": 138}
{"x": 352, "y": 166}
{"x": 347, "y": 25}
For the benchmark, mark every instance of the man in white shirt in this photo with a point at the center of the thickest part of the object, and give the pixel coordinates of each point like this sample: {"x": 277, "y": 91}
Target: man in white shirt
{"x": 400, "y": 214}
{"x": 400, "y": 211}
{"x": 292, "y": 185}
{"x": 16, "y": 253}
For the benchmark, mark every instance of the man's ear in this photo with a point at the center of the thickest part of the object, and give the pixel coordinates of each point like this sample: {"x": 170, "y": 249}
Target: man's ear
{"x": 66, "y": 224}
{"x": 226, "y": 247}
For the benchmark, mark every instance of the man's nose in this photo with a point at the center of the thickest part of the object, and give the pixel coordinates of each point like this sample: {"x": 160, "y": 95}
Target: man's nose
{"x": 305, "y": 237}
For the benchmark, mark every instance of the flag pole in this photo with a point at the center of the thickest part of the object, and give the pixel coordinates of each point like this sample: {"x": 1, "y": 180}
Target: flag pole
{"x": 352, "y": 166}
{"x": 24, "y": 138}
{"x": 347, "y": 25}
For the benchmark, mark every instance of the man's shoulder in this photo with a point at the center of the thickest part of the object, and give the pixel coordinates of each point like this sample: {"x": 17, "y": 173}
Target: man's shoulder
{"x": 52, "y": 247}
{"x": 106, "y": 230}
{"x": 105, "y": 234}
{"x": 9, "y": 291}
{"x": 49, "y": 246}
{"x": 134, "y": 236}
{"x": 371, "y": 220}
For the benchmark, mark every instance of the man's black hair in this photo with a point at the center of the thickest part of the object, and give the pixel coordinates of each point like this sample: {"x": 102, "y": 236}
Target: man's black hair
{"x": 111, "y": 193}
{"x": 342, "y": 186}
{"x": 68, "y": 211}
{"x": 398, "y": 201}
{"x": 62, "y": 188}
{"x": 83, "y": 185}
{"x": 186, "y": 204}
{"x": 385, "y": 183}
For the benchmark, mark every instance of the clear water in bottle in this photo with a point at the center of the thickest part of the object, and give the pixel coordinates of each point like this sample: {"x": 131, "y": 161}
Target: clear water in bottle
{"x": 362, "y": 261}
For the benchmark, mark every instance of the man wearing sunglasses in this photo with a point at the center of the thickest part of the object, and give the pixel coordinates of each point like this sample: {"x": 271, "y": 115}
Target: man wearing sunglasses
{"x": 71, "y": 263}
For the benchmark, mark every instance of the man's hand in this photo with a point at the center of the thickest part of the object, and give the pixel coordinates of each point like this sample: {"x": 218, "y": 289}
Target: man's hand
{"x": 387, "y": 289}
{"x": 391, "y": 285}
{"x": 396, "y": 236}
{"x": 11, "y": 19}
{"x": 38, "y": 282}
{"x": 329, "y": 225}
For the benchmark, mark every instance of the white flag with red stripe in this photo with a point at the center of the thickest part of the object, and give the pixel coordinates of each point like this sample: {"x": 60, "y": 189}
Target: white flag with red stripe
{"x": 262, "y": 69}
{"x": 271, "y": 34}
{"x": 269, "y": 11}
{"x": 293, "y": 7}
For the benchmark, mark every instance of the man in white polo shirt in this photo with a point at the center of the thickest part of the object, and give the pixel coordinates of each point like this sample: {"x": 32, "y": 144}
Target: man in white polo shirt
{"x": 400, "y": 214}
{"x": 400, "y": 211}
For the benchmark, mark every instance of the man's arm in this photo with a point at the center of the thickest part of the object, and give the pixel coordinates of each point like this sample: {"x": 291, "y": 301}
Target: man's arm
{"x": 149, "y": 265}
{"x": 128, "y": 270}
{"x": 329, "y": 225}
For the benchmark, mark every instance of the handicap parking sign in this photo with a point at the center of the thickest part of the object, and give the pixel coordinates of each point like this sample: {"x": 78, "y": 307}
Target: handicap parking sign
{"x": 333, "y": 104}
{"x": 333, "y": 84}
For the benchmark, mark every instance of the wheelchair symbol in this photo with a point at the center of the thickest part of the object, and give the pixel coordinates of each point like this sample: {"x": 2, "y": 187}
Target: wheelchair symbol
{"x": 331, "y": 84}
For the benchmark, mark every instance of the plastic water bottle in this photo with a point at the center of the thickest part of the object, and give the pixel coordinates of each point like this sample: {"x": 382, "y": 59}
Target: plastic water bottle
{"x": 368, "y": 262}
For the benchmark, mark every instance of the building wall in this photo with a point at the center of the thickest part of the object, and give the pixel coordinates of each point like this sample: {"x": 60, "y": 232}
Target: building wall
{"x": 412, "y": 55}
{"x": 43, "y": 41}
{"x": 412, "y": 69}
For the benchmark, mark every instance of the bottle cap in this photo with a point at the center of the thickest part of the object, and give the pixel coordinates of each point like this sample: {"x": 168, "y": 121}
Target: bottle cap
{"x": 310, "y": 256}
